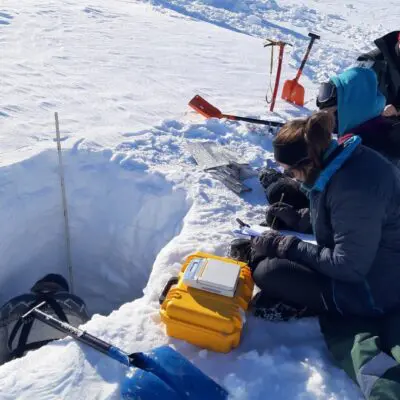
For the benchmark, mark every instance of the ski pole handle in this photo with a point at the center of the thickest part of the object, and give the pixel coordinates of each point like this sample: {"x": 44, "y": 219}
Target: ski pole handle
{"x": 79, "y": 334}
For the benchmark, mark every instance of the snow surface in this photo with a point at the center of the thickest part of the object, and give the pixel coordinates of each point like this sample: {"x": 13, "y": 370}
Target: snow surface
{"x": 120, "y": 74}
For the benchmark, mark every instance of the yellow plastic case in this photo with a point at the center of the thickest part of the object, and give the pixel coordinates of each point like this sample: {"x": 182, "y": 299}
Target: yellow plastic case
{"x": 206, "y": 319}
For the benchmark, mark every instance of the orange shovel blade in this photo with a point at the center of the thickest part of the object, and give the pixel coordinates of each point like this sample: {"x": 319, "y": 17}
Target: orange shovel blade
{"x": 293, "y": 92}
{"x": 204, "y": 108}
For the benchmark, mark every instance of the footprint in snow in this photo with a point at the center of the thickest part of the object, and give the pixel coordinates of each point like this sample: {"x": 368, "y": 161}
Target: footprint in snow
{"x": 5, "y": 18}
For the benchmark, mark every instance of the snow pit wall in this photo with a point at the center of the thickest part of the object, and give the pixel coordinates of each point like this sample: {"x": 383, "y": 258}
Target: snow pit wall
{"x": 120, "y": 217}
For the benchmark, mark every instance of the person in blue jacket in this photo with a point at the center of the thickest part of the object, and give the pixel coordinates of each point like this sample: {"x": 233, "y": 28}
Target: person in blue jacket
{"x": 354, "y": 194}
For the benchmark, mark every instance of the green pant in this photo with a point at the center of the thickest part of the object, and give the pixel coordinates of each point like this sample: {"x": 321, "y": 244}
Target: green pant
{"x": 368, "y": 350}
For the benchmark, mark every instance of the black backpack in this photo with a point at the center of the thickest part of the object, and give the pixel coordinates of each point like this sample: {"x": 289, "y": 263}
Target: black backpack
{"x": 25, "y": 327}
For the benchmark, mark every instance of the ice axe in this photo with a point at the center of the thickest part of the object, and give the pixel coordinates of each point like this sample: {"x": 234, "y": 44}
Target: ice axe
{"x": 162, "y": 373}
{"x": 292, "y": 91}
{"x": 206, "y": 109}
{"x": 281, "y": 44}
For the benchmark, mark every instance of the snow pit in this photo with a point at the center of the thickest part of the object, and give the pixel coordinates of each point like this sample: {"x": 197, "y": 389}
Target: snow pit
{"x": 120, "y": 214}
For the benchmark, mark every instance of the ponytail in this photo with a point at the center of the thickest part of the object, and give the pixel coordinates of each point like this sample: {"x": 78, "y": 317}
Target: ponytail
{"x": 318, "y": 135}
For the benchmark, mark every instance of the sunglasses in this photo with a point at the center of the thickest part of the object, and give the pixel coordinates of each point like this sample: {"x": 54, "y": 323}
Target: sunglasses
{"x": 327, "y": 95}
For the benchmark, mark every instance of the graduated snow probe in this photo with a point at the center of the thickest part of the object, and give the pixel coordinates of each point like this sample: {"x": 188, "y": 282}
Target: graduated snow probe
{"x": 65, "y": 206}
{"x": 281, "y": 44}
{"x": 292, "y": 91}
{"x": 161, "y": 373}
{"x": 206, "y": 109}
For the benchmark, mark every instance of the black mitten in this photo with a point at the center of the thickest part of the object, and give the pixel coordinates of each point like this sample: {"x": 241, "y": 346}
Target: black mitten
{"x": 267, "y": 176}
{"x": 290, "y": 189}
{"x": 287, "y": 218}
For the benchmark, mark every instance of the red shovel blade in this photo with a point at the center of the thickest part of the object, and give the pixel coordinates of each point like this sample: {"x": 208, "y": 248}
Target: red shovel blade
{"x": 293, "y": 92}
{"x": 204, "y": 108}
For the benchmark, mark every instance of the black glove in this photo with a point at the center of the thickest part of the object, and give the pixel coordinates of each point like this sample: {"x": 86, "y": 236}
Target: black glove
{"x": 241, "y": 250}
{"x": 267, "y": 176}
{"x": 286, "y": 217}
{"x": 271, "y": 244}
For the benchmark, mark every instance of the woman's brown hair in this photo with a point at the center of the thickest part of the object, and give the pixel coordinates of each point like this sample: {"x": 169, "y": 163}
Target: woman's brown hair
{"x": 316, "y": 130}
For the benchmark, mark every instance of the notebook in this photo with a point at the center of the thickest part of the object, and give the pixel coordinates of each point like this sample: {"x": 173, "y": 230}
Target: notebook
{"x": 212, "y": 275}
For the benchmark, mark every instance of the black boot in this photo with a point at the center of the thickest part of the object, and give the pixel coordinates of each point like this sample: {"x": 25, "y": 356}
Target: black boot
{"x": 275, "y": 310}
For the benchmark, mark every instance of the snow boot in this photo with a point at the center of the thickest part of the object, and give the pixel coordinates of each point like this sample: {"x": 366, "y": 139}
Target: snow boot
{"x": 276, "y": 311}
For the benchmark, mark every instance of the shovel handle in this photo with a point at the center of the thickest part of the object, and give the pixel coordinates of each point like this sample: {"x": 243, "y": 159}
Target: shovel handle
{"x": 253, "y": 120}
{"x": 313, "y": 37}
{"x": 80, "y": 335}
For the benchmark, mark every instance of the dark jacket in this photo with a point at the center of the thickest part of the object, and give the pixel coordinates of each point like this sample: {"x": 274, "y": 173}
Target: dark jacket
{"x": 386, "y": 64}
{"x": 355, "y": 214}
{"x": 383, "y": 135}
{"x": 12, "y": 343}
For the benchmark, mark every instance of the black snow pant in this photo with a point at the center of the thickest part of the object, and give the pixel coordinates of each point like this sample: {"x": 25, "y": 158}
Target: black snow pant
{"x": 293, "y": 284}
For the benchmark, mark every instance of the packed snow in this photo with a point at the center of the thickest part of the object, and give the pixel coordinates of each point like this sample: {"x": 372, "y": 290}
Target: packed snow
{"x": 120, "y": 74}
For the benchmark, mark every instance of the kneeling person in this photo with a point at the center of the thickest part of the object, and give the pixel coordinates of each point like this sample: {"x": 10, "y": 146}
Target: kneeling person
{"x": 355, "y": 215}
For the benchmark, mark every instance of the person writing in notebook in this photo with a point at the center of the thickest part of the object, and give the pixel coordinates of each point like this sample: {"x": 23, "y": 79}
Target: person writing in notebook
{"x": 353, "y": 269}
